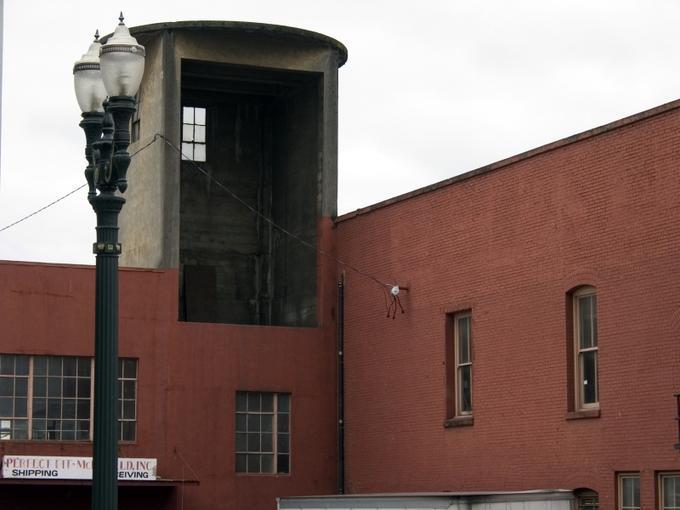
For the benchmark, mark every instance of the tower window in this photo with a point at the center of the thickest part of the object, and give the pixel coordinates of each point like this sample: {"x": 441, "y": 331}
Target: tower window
{"x": 193, "y": 133}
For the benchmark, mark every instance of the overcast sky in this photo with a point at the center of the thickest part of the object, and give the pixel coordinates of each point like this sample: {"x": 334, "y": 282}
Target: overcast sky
{"x": 431, "y": 89}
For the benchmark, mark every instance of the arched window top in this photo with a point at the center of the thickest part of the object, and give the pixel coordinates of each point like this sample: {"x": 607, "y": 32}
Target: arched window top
{"x": 586, "y": 499}
{"x": 581, "y": 290}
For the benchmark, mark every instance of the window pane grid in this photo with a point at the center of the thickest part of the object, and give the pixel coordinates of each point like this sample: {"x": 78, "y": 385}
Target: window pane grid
{"x": 127, "y": 399}
{"x": 193, "y": 133}
{"x": 49, "y": 398}
{"x": 13, "y": 397}
{"x": 262, "y": 432}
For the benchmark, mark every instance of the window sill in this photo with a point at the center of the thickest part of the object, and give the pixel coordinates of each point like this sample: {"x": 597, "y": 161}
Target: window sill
{"x": 459, "y": 421}
{"x": 583, "y": 414}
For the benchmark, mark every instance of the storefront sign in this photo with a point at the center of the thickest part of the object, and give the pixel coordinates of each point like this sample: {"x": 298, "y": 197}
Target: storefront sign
{"x": 71, "y": 468}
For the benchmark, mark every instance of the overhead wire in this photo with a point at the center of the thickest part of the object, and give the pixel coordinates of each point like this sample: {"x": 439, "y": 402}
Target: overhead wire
{"x": 245, "y": 204}
{"x": 24, "y": 218}
{"x": 271, "y": 222}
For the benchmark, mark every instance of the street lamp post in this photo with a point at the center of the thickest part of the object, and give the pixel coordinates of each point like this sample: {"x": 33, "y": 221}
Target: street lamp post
{"x": 115, "y": 70}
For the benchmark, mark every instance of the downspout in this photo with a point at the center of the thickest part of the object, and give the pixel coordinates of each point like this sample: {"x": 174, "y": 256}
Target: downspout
{"x": 341, "y": 384}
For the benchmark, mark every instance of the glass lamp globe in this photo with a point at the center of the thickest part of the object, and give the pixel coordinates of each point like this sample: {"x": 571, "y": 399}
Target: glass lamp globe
{"x": 122, "y": 62}
{"x": 87, "y": 79}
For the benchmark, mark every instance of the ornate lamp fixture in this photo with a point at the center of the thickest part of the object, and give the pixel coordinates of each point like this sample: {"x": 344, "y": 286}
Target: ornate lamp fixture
{"x": 114, "y": 70}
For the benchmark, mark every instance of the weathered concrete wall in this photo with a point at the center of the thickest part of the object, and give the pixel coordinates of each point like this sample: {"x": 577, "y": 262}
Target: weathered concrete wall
{"x": 278, "y": 273}
{"x": 150, "y": 221}
{"x": 296, "y": 181}
{"x": 143, "y": 219}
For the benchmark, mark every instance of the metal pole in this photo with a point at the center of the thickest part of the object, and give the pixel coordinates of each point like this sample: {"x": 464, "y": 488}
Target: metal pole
{"x": 106, "y": 172}
{"x": 105, "y": 458}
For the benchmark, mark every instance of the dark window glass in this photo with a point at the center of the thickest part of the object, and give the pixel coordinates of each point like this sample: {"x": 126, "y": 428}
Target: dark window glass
{"x": 465, "y": 389}
{"x": 241, "y": 401}
{"x": 259, "y": 444}
{"x": 253, "y": 401}
{"x": 282, "y": 424}
{"x": 6, "y": 406}
{"x": 6, "y": 364}
{"x": 284, "y": 402}
{"x": 70, "y": 367}
{"x": 54, "y": 365}
{"x": 40, "y": 365}
{"x": 21, "y": 365}
{"x": 589, "y": 377}
{"x": 6, "y": 386}
{"x": 241, "y": 465}
{"x": 253, "y": 463}
{"x": 282, "y": 464}
{"x": 267, "y": 465}
{"x": 84, "y": 367}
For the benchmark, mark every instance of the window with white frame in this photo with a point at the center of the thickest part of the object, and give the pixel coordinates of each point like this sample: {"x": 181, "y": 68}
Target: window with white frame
{"x": 48, "y": 398}
{"x": 463, "y": 362}
{"x": 193, "y": 133}
{"x": 669, "y": 491}
{"x": 585, "y": 347}
{"x": 262, "y": 432}
{"x": 629, "y": 491}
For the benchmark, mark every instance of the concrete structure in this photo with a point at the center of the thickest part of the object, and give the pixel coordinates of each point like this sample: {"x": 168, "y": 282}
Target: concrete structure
{"x": 269, "y": 94}
{"x": 538, "y": 350}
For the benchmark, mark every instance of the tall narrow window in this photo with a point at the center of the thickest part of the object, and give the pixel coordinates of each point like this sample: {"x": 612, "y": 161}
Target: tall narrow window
{"x": 669, "y": 491}
{"x": 127, "y": 399}
{"x": 585, "y": 347}
{"x": 463, "y": 355}
{"x": 193, "y": 133}
{"x": 629, "y": 491}
{"x": 262, "y": 432}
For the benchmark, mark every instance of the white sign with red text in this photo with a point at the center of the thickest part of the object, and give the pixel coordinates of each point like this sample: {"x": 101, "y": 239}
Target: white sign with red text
{"x": 71, "y": 468}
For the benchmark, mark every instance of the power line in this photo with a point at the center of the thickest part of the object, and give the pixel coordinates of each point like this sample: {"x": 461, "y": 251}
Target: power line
{"x": 257, "y": 213}
{"x": 43, "y": 208}
{"x": 254, "y": 211}
{"x": 20, "y": 220}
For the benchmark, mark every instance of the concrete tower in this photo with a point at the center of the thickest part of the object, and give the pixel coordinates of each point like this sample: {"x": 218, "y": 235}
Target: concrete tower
{"x": 254, "y": 109}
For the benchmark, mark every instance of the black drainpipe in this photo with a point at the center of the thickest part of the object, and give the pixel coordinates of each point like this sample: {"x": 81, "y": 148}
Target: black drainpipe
{"x": 341, "y": 384}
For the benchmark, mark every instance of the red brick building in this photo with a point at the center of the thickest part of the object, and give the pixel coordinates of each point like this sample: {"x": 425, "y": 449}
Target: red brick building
{"x": 538, "y": 348}
{"x": 187, "y": 377}
{"x": 494, "y": 259}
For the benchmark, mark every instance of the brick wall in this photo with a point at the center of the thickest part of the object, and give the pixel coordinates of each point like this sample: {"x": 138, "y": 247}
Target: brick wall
{"x": 508, "y": 242}
{"x": 188, "y": 376}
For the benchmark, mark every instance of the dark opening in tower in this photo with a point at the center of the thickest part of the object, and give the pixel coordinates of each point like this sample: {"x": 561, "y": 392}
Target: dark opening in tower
{"x": 255, "y": 135}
